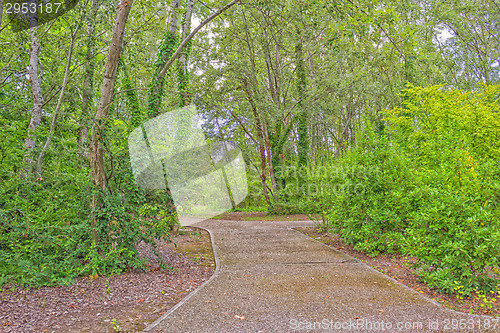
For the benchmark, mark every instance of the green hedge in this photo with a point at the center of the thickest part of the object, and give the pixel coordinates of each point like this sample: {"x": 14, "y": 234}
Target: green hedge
{"x": 436, "y": 191}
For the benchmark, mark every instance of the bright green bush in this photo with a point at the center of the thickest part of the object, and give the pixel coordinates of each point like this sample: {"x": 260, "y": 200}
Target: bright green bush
{"x": 456, "y": 240}
{"x": 453, "y": 138}
{"x": 436, "y": 195}
{"x": 373, "y": 217}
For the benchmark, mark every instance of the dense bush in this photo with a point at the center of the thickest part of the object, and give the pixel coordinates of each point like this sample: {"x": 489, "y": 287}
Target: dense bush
{"x": 436, "y": 192}
{"x": 41, "y": 237}
{"x": 45, "y": 229}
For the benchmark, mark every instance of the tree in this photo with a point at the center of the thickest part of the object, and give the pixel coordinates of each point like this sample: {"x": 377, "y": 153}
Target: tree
{"x": 164, "y": 54}
{"x": 182, "y": 70}
{"x": 58, "y": 106}
{"x": 102, "y": 112}
{"x": 36, "y": 111}
{"x": 88, "y": 85}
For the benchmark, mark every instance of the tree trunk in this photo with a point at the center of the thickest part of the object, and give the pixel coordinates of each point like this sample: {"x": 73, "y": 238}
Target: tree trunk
{"x": 58, "y": 107}
{"x": 88, "y": 87}
{"x": 155, "y": 93}
{"x": 269, "y": 160}
{"x": 263, "y": 173}
{"x": 278, "y": 158}
{"x": 36, "y": 112}
{"x": 133, "y": 105}
{"x": 101, "y": 115}
{"x": 303, "y": 144}
{"x": 223, "y": 170}
{"x": 183, "y": 77}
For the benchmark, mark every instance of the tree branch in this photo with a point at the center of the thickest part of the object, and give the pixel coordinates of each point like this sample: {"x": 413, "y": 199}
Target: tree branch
{"x": 58, "y": 106}
{"x": 191, "y": 35}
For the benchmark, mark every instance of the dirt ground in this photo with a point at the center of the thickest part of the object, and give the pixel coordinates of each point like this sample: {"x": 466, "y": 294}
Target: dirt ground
{"x": 396, "y": 266}
{"x": 124, "y": 303}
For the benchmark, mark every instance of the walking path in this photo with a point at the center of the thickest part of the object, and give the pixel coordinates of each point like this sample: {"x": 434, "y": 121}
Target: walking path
{"x": 271, "y": 278}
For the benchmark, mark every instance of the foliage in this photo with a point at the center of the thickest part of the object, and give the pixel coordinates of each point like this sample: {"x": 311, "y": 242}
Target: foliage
{"x": 166, "y": 49}
{"x": 43, "y": 236}
{"x": 436, "y": 193}
{"x": 126, "y": 217}
{"x": 45, "y": 222}
{"x": 306, "y": 110}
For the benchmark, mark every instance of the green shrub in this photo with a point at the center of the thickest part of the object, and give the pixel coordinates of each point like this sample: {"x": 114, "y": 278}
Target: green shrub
{"x": 45, "y": 229}
{"x": 436, "y": 195}
{"x": 373, "y": 217}
{"x": 42, "y": 238}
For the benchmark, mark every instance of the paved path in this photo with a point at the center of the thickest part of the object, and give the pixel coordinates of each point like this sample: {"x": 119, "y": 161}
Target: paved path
{"x": 271, "y": 278}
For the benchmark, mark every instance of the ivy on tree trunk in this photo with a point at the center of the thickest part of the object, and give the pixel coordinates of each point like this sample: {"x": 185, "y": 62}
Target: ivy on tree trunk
{"x": 303, "y": 144}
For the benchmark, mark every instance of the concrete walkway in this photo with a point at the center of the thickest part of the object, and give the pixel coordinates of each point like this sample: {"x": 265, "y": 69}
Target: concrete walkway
{"x": 271, "y": 278}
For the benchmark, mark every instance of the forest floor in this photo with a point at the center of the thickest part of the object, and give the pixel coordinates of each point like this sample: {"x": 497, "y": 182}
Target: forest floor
{"x": 124, "y": 303}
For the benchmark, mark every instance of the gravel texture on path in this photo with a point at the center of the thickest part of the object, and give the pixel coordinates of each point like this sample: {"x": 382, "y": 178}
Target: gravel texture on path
{"x": 271, "y": 278}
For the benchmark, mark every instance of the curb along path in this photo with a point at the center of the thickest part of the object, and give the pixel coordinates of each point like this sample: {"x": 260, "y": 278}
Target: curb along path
{"x": 271, "y": 278}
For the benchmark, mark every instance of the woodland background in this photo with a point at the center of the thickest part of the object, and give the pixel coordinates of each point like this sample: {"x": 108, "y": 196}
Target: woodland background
{"x": 382, "y": 117}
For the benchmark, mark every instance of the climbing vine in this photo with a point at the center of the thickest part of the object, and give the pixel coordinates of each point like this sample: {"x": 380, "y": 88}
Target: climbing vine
{"x": 165, "y": 51}
{"x": 183, "y": 78}
{"x": 182, "y": 72}
{"x": 132, "y": 100}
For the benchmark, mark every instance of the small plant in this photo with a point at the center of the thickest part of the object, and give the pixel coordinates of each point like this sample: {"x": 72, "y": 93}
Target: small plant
{"x": 107, "y": 291}
{"x": 459, "y": 289}
{"x": 116, "y": 327}
{"x": 485, "y": 301}
{"x": 196, "y": 234}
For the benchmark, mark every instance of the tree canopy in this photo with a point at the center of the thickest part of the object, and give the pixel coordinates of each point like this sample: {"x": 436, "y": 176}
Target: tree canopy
{"x": 381, "y": 116}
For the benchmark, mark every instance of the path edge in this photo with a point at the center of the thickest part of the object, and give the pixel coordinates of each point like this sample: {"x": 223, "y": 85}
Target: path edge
{"x": 427, "y": 298}
{"x": 185, "y": 299}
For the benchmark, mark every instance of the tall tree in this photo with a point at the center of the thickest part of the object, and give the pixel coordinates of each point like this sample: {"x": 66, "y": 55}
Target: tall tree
{"x": 161, "y": 68}
{"x": 58, "y": 105}
{"x": 36, "y": 90}
{"x": 302, "y": 122}
{"x": 165, "y": 52}
{"x": 88, "y": 85}
{"x": 182, "y": 69}
{"x": 102, "y": 112}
